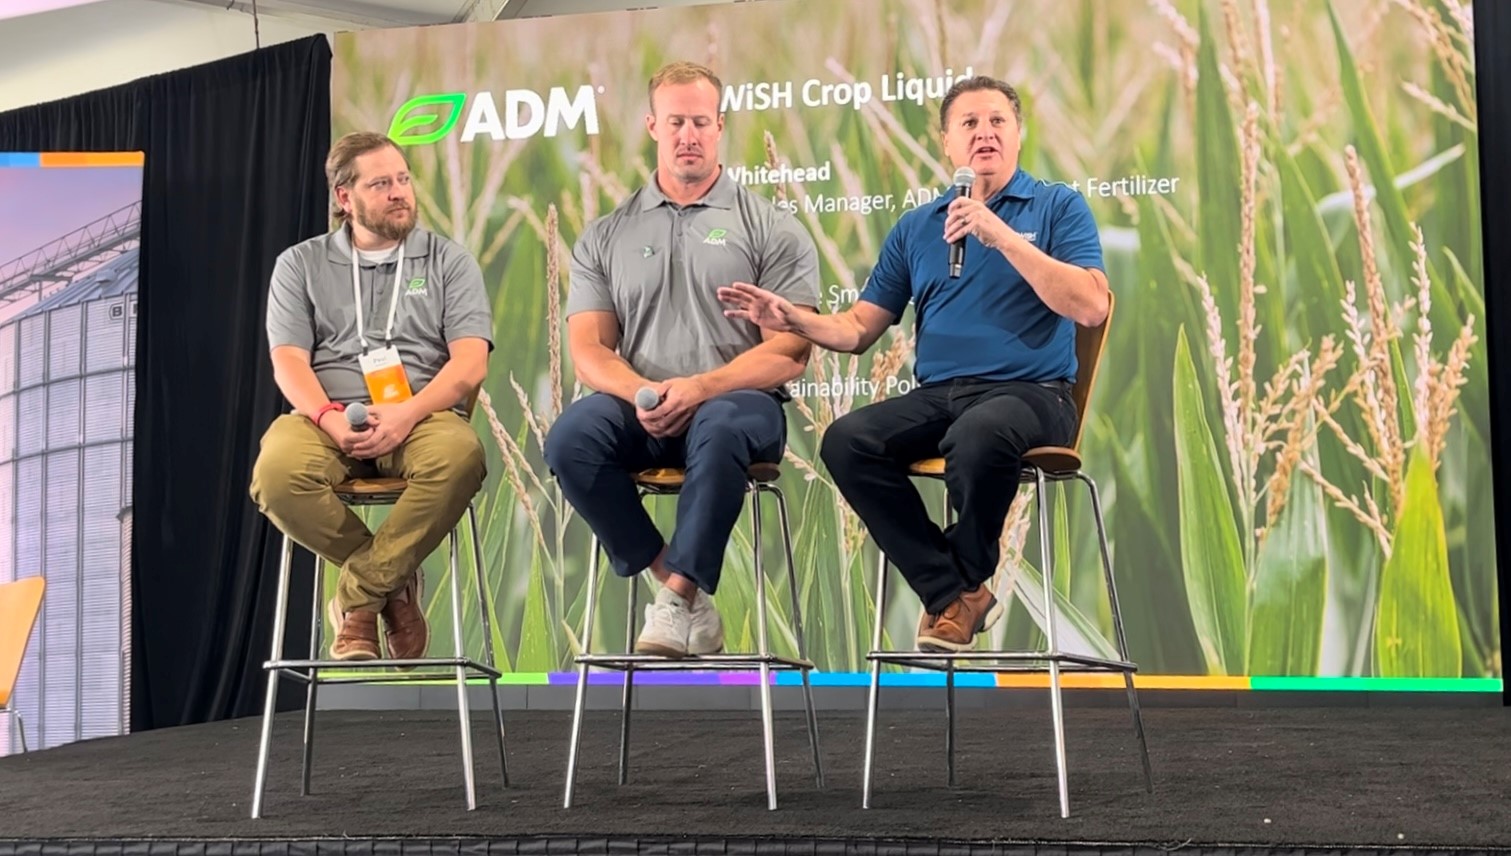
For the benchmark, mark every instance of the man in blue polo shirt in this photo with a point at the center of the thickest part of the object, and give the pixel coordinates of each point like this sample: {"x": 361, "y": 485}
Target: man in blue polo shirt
{"x": 995, "y": 358}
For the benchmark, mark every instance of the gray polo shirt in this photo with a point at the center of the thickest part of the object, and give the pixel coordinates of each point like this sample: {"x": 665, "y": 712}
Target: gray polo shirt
{"x": 310, "y": 306}
{"x": 657, "y": 265}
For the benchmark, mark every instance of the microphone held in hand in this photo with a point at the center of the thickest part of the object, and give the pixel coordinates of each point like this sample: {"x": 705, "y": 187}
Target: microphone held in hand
{"x": 965, "y": 178}
{"x": 356, "y": 416}
{"x": 647, "y": 398}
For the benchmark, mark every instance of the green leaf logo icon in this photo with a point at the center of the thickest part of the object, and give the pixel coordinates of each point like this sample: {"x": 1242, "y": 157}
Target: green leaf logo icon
{"x": 444, "y": 108}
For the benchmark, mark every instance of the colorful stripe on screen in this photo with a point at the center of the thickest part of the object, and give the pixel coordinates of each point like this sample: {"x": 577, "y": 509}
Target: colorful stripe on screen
{"x": 1022, "y": 681}
{"x": 58, "y": 160}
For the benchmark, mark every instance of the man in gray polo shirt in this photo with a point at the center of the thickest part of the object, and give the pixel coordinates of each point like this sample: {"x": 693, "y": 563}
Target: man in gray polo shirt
{"x": 417, "y": 299}
{"x": 643, "y": 313}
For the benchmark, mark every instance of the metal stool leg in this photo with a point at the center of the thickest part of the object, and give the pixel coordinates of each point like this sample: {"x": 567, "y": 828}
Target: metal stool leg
{"x": 764, "y": 648}
{"x": 464, "y": 713}
{"x": 627, "y": 696}
{"x": 582, "y": 676}
{"x": 313, "y": 685}
{"x": 280, "y": 614}
{"x": 949, "y": 721}
{"x": 949, "y": 678}
{"x": 1117, "y": 624}
{"x": 486, "y": 613}
{"x": 871, "y": 702}
{"x": 20, "y": 725}
{"x": 1055, "y": 701}
{"x": 797, "y": 630}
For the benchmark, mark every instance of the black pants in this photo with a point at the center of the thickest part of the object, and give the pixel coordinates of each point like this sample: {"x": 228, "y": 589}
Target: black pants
{"x": 981, "y": 428}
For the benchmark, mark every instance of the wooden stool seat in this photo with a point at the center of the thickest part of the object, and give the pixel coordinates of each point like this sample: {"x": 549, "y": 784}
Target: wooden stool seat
{"x": 673, "y": 477}
{"x": 1053, "y": 460}
{"x": 370, "y": 488}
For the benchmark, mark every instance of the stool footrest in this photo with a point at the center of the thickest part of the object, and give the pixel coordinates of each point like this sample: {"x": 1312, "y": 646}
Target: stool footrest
{"x": 1000, "y": 661}
{"x": 696, "y": 662}
{"x": 287, "y": 666}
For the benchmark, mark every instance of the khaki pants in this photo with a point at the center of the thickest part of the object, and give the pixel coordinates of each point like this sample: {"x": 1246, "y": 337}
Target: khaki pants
{"x": 299, "y": 464}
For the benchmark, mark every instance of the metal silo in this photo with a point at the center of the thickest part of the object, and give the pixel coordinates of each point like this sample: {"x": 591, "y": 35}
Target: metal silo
{"x": 67, "y": 392}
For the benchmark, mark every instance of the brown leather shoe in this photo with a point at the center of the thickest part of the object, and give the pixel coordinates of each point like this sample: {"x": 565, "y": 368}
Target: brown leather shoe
{"x": 404, "y": 624}
{"x": 356, "y": 633}
{"x": 956, "y": 627}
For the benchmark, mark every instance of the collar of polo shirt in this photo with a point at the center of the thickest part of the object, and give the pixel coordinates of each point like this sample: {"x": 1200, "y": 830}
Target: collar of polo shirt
{"x": 339, "y": 248}
{"x": 1020, "y": 186}
{"x": 720, "y": 195}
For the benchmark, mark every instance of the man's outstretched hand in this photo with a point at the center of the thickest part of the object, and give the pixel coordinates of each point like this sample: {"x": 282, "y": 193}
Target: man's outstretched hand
{"x": 760, "y": 307}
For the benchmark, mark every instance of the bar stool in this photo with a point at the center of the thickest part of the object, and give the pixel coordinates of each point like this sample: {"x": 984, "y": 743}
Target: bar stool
{"x": 375, "y": 492}
{"x": 760, "y": 479}
{"x": 1040, "y": 466}
{"x": 20, "y": 603}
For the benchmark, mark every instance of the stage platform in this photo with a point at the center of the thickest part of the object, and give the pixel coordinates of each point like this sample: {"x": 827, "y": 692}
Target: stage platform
{"x": 1291, "y": 780}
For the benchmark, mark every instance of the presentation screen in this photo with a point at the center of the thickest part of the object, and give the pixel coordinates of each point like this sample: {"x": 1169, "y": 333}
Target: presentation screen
{"x": 1290, "y": 426}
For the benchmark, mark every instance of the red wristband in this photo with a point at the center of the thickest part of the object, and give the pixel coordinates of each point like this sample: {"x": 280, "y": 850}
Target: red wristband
{"x": 333, "y": 405}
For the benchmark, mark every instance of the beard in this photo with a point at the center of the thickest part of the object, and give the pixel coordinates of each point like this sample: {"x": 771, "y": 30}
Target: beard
{"x": 390, "y": 225}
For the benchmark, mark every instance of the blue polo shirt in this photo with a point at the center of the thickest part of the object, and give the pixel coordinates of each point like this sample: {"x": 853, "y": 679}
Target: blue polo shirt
{"x": 989, "y": 323}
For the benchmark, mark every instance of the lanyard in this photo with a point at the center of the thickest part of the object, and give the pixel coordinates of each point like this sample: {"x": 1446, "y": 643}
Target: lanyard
{"x": 393, "y": 304}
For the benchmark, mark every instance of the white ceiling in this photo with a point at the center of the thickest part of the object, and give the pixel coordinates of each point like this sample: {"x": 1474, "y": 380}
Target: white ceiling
{"x": 361, "y": 14}
{"x": 364, "y": 14}
{"x": 57, "y": 48}
{"x": 18, "y": 8}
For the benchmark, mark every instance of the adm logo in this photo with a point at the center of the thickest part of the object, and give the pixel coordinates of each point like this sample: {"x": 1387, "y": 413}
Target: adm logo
{"x": 427, "y": 119}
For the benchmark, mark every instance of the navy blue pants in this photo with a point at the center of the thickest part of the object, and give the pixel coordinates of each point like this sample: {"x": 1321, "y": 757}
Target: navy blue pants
{"x": 598, "y": 442}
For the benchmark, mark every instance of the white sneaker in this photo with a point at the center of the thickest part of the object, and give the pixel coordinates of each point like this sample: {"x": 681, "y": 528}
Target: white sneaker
{"x": 706, "y": 635}
{"x": 668, "y": 622}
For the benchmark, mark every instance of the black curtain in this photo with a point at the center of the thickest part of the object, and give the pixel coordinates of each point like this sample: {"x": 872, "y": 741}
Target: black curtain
{"x": 234, "y": 174}
{"x": 1492, "y": 61}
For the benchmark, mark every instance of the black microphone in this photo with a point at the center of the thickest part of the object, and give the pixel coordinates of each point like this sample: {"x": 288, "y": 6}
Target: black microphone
{"x": 965, "y": 178}
{"x": 356, "y": 416}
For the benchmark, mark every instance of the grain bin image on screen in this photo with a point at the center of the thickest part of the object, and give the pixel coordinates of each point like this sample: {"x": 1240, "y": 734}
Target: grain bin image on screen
{"x": 67, "y": 352}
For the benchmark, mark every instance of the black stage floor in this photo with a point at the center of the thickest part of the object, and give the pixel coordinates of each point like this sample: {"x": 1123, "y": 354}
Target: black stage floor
{"x": 1271, "y": 779}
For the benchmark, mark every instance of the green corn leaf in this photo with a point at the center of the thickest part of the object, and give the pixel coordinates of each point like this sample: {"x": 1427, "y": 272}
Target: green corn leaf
{"x": 1318, "y": 285}
{"x": 1465, "y": 290}
{"x": 1211, "y": 559}
{"x": 1074, "y": 630}
{"x": 1151, "y": 591}
{"x": 537, "y": 635}
{"x": 1290, "y": 586}
{"x": 1221, "y": 199}
{"x": 1403, "y": 390}
{"x": 1061, "y": 527}
{"x": 1417, "y": 625}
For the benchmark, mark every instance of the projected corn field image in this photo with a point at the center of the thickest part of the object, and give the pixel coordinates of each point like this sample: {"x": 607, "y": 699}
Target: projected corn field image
{"x": 1291, "y": 422}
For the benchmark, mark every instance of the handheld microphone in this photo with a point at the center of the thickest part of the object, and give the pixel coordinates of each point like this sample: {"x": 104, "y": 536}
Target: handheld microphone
{"x": 647, "y": 398}
{"x": 965, "y": 178}
{"x": 356, "y": 416}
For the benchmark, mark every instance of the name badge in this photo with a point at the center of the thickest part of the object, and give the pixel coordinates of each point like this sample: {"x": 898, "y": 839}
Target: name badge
{"x": 384, "y": 371}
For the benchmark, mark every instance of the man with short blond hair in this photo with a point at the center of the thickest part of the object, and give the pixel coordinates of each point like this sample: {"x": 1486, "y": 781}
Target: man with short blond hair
{"x": 678, "y": 73}
{"x": 387, "y": 314}
{"x": 678, "y": 384}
